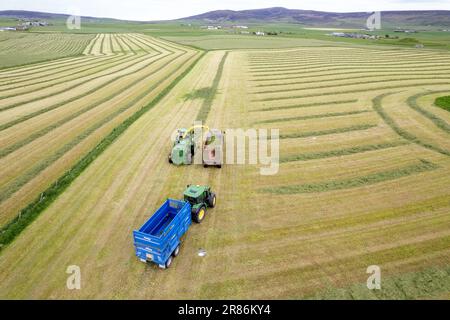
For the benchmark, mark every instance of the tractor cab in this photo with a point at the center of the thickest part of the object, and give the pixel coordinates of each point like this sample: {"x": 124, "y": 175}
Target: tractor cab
{"x": 200, "y": 198}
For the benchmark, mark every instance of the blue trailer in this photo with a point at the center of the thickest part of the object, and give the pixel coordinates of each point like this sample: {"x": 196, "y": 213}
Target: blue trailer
{"x": 158, "y": 240}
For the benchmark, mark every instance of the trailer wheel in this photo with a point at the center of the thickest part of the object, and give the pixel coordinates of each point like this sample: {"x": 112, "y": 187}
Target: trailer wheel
{"x": 212, "y": 200}
{"x": 199, "y": 215}
{"x": 168, "y": 262}
{"x": 219, "y": 166}
{"x": 176, "y": 251}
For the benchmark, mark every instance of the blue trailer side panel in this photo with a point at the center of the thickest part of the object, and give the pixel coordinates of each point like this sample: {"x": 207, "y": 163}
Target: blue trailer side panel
{"x": 160, "y": 235}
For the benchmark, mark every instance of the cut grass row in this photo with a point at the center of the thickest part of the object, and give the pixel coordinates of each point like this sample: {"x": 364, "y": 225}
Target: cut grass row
{"x": 90, "y": 69}
{"x": 211, "y": 92}
{"x": 346, "y": 77}
{"x": 360, "y": 127}
{"x": 350, "y": 91}
{"x": 439, "y": 122}
{"x": 382, "y": 176}
{"x": 313, "y": 116}
{"x": 122, "y": 67}
{"x": 378, "y": 107}
{"x": 43, "y": 131}
{"x": 343, "y": 72}
{"x": 318, "y": 65}
{"x": 29, "y": 213}
{"x": 337, "y": 85}
{"x": 322, "y": 68}
{"x": 307, "y": 105}
{"x": 32, "y": 172}
{"x": 341, "y": 152}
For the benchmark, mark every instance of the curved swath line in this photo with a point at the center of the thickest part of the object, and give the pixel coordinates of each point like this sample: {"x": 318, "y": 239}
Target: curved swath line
{"x": 378, "y": 107}
{"x": 350, "y": 84}
{"x": 7, "y": 150}
{"x": 72, "y": 76}
{"x": 18, "y": 183}
{"x": 353, "y": 91}
{"x": 115, "y": 60}
{"x": 320, "y": 74}
{"x": 364, "y": 76}
{"x": 437, "y": 121}
{"x": 15, "y": 105}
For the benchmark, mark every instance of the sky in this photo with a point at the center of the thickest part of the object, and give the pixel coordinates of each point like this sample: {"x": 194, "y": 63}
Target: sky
{"x": 145, "y": 10}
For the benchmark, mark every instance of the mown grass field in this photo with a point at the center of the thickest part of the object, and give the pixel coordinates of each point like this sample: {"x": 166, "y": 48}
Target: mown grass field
{"x": 363, "y": 179}
{"x": 20, "y": 48}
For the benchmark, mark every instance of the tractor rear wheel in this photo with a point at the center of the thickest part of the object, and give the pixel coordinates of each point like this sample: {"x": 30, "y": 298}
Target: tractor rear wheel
{"x": 176, "y": 251}
{"x": 199, "y": 215}
{"x": 212, "y": 200}
{"x": 169, "y": 262}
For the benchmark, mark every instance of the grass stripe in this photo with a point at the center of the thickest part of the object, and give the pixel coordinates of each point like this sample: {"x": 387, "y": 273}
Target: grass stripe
{"x": 436, "y": 67}
{"x": 350, "y": 91}
{"x": 8, "y": 150}
{"x": 340, "y": 73}
{"x": 344, "y": 78}
{"x": 313, "y": 116}
{"x": 326, "y": 132}
{"x": 32, "y": 211}
{"x": 80, "y": 84}
{"x": 350, "y": 84}
{"x": 306, "y": 105}
{"x": 377, "y": 106}
{"x": 342, "y": 152}
{"x": 211, "y": 93}
{"x": 370, "y": 179}
{"x": 115, "y": 61}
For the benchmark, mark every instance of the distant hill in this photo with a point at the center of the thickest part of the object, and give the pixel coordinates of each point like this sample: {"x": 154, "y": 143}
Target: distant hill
{"x": 320, "y": 18}
{"x": 437, "y": 18}
{"x": 35, "y": 15}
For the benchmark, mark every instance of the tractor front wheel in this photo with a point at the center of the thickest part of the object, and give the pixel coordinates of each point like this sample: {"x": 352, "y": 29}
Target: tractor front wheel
{"x": 199, "y": 215}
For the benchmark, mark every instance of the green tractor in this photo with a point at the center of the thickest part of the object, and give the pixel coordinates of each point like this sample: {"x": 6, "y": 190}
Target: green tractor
{"x": 200, "y": 198}
{"x": 183, "y": 148}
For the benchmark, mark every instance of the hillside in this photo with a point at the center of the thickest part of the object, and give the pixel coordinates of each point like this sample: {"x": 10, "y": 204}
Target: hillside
{"x": 319, "y": 18}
